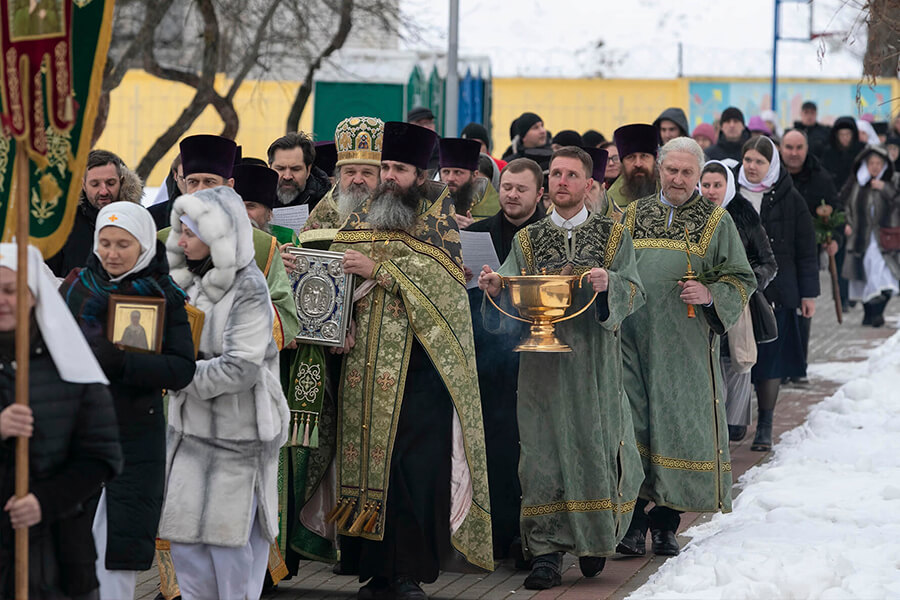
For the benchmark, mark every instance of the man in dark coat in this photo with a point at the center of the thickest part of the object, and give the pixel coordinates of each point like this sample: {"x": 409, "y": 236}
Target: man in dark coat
{"x": 670, "y": 124}
{"x": 106, "y": 180}
{"x": 732, "y": 136}
{"x": 815, "y": 185}
{"x": 817, "y": 134}
{"x": 300, "y": 182}
{"x": 521, "y": 188}
{"x": 843, "y": 147}
{"x": 530, "y": 140}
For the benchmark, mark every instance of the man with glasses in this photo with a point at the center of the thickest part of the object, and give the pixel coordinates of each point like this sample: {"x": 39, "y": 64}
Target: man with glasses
{"x": 106, "y": 180}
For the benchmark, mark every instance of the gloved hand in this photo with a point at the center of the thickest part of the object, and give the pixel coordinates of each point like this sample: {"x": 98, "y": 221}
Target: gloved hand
{"x": 110, "y": 356}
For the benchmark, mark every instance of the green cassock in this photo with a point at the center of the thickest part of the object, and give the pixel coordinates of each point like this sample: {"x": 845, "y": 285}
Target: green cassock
{"x": 579, "y": 466}
{"x": 672, "y": 374}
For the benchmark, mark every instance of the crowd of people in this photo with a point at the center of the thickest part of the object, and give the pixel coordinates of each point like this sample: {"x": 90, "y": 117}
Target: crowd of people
{"x": 218, "y": 443}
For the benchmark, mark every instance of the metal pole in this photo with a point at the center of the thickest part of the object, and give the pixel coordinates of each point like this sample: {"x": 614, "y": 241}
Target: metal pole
{"x": 775, "y": 54}
{"x": 451, "y": 101}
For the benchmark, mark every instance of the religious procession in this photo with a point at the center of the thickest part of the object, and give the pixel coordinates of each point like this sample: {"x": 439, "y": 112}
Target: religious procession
{"x": 379, "y": 356}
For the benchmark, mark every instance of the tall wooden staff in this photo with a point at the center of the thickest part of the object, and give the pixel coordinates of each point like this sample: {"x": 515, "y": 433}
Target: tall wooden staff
{"x": 49, "y": 93}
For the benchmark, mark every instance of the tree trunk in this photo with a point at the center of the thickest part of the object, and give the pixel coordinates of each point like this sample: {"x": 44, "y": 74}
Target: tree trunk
{"x": 883, "y": 45}
{"x": 337, "y": 41}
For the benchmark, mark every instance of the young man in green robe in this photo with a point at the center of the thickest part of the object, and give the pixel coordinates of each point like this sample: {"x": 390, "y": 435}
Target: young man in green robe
{"x": 408, "y": 404}
{"x": 579, "y": 465}
{"x": 697, "y": 278}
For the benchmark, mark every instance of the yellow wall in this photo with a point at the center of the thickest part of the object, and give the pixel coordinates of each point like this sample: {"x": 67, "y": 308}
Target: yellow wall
{"x": 582, "y": 104}
{"x": 143, "y": 107}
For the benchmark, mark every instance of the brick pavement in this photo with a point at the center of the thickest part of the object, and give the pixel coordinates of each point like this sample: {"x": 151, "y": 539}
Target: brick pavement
{"x": 829, "y": 343}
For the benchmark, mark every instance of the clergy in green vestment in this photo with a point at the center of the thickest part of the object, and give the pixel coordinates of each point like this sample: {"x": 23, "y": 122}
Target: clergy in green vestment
{"x": 671, "y": 347}
{"x": 639, "y": 177}
{"x": 578, "y": 466}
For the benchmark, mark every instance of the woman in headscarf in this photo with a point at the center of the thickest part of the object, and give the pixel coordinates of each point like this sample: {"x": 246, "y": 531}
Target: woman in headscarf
{"x": 873, "y": 203}
{"x": 717, "y": 185}
{"x": 784, "y": 214}
{"x": 73, "y": 445}
{"x": 128, "y": 260}
{"x": 227, "y": 425}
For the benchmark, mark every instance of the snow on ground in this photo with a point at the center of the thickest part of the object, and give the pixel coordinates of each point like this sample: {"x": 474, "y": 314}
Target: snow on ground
{"x": 821, "y": 519}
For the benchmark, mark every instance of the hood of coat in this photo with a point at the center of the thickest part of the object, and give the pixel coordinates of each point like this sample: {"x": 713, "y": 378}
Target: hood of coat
{"x": 677, "y": 116}
{"x": 880, "y": 151}
{"x": 131, "y": 190}
{"x": 223, "y": 223}
{"x": 844, "y": 123}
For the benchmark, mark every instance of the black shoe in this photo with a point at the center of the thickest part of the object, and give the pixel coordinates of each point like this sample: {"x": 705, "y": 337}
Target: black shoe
{"x": 736, "y": 432}
{"x": 633, "y": 544}
{"x": 878, "y": 320}
{"x": 542, "y": 578}
{"x": 664, "y": 542}
{"x": 800, "y": 380}
{"x": 376, "y": 589}
{"x": 762, "y": 441}
{"x": 591, "y": 565}
{"x": 340, "y": 568}
{"x": 405, "y": 588}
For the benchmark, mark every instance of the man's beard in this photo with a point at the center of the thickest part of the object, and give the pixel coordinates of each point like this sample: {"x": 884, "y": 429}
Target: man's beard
{"x": 462, "y": 197}
{"x": 639, "y": 184}
{"x": 351, "y": 199}
{"x": 393, "y": 207}
{"x": 266, "y": 228}
{"x": 287, "y": 191}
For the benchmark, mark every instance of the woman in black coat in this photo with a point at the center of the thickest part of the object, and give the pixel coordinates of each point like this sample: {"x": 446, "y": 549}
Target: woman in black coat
{"x": 717, "y": 185}
{"x": 843, "y": 148}
{"x": 784, "y": 214}
{"x": 128, "y": 260}
{"x": 73, "y": 445}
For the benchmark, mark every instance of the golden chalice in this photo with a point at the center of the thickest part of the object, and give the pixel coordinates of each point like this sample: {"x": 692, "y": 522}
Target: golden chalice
{"x": 542, "y": 300}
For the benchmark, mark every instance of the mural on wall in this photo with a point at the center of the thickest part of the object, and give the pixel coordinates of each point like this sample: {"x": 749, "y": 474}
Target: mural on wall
{"x": 709, "y": 98}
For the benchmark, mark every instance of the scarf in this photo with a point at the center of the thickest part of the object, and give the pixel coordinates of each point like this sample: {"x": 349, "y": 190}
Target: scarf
{"x": 771, "y": 175}
{"x": 136, "y": 220}
{"x": 863, "y": 177}
{"x": 730, "y": 189}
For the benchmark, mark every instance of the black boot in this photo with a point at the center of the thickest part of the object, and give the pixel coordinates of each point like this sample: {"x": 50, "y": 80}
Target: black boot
{"x": 544, "y": 572}
{"x": 664, "y": 542}
{"x": 867, "y": 313}
{"x": 736, "y": 432}
{"x": 878, "y": 310}
{"x": 762, "y": 441}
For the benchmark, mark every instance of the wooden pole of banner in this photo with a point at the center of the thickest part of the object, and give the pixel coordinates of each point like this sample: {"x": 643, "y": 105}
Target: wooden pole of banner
{"x": 22, "y": 341}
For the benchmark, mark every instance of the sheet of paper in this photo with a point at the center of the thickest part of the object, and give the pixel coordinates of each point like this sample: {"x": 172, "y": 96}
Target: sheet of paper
{"x": 478, "y": 250}
{"x": 292, "y": 217}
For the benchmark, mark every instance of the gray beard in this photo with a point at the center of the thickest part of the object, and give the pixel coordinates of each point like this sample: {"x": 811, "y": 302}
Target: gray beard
{"x": 351, "y": 200}
{"x": 287, "y": 194}
{"x": 267, "y": 227}
{"x": 642, "y": 187}
{"x": 392, "y": 208}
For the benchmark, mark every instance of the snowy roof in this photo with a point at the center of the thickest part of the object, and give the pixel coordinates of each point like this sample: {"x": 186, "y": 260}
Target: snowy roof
{"x": 393, "y": 66}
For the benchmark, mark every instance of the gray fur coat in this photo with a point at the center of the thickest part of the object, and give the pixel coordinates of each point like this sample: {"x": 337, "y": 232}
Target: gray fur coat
{"x": 226, "y": 426}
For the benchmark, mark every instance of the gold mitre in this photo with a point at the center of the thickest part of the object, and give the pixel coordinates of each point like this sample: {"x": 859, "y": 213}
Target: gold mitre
{"x": 358, "y": 141}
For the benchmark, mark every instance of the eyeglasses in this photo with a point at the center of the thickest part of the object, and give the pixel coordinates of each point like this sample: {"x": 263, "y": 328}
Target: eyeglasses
{"x": 613, "y": 159}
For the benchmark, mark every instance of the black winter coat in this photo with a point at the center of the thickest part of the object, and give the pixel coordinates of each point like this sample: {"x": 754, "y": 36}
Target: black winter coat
{"x": 134, "y": 499}
{"x": 817, "y": 134}
{"x": 724, "y": 149}
{"x": 80, "y": 243}
{"x": 755, "y": 240}
{"x": 317, "y": 185}
{"x": 815, "y": 184}
{"x": 73, "y": 450}
{"x": 838, "y": 160}
{"x": 789, "y": 225}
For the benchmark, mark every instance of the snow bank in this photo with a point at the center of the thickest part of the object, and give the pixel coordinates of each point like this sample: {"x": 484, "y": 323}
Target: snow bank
{"x": 821, "y": 519}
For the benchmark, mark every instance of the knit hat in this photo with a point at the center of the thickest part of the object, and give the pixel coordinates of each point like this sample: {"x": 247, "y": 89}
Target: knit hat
{"x": 636, "y": 137}
{"x": 705, "y": 130}
{"x": 418, "y": 113}
{"x": 476, "y": 131}
{"x": 459, "y": 153}
{"x": 757, "y": 125}
{"x": 592, "y": 138}
{"x": 525, "y": 122}
{"x": 254, "y": 183}
{"x": 358, "y": 140}
{"x": 208, "y": 154}
{"x": 408, "y": 143}
{"x": 568, "y": 137}
{"x": 731, "y": 113}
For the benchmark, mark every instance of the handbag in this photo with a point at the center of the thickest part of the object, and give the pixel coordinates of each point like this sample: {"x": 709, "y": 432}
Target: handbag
{"x": 889, "y": 238}
{"x": 742, "y": 343}
{"x": 765, "y": 328}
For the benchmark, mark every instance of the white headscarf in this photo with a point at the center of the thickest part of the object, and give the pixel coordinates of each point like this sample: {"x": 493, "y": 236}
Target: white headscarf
{"x": 871, "y": 134}
{"x": 136, "y": 220}
{"x": 771, "y": 175}
{"x": 730, "y": 189}
{"x": 71, "y": 354}
{"x": 862, "y": 174}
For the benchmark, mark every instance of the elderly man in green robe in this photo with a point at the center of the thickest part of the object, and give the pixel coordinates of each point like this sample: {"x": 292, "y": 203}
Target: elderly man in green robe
{"x": 697, "y": 278}
{"x": 411, "y": 471}
{"x": 578, "y": 465}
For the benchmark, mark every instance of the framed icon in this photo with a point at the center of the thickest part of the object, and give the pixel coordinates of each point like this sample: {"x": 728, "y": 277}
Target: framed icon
{"x": 323, "y": 294}
{"x": 195, "y": 320}
{"x": 136, "y": 322}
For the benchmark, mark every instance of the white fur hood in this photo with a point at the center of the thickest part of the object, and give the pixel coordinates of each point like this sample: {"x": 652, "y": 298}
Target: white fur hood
{"x": 223, "y": 224}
